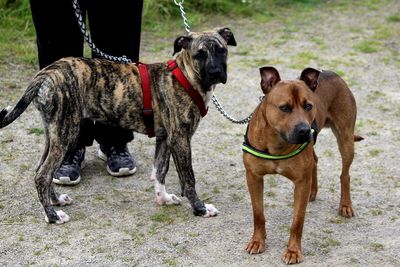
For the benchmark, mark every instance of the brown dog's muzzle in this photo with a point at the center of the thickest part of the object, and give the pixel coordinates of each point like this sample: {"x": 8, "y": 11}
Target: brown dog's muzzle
{"x": 300, "y": 134}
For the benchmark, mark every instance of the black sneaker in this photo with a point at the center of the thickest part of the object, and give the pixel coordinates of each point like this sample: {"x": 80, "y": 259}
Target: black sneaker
{"x": 119, "y": 160}
{"x": 69, "y": 172}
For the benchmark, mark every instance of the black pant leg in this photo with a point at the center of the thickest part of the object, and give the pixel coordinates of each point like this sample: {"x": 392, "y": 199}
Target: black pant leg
{"x": 57, "y": 36}
{"x": 115, "y": 28}
{"x": 57, "y": 31}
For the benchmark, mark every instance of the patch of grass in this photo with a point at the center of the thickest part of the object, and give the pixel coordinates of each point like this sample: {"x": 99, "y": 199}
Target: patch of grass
{"x": 285, "y": 228}
{"x": 216, "y": 190}
{"x": 302, "y": 59}
{"x": 328, "y": 153}
{"x": 375, "y": 152}
{"x": 330, "y": 242}
{"x": 383, "y": 33}
{"x": 162, "y": 218}
{"x": 337, "y": 220}
{"x": 367, "y": 46}
{"x": 170, "y": 262}
{"x": 270, "y": 194}
{"x": 377, "y": 247}
{"x": 393, "y": 18}
{"x": 21, "y": 237}
{"x": 374, "y": 95}
{"x": 138, "y": 237}
{"x": 35, "y": 131}
{"x": 377, "y": 211}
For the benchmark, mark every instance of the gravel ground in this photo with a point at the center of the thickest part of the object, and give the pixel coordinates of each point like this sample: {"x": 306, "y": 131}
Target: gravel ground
{"x": 116, "y": 222}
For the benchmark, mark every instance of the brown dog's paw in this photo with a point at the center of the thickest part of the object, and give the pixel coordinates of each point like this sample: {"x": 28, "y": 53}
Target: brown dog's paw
{"x": 256, "y": 246}
{"x": 346, "y": 211}
{"x": 292, "y": 256}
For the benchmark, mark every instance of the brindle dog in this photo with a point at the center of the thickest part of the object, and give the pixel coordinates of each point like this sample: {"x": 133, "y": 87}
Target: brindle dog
{"x": 73, "y": 89}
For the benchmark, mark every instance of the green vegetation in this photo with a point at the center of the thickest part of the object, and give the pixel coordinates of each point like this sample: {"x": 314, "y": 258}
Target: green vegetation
{"x": 36, "y": 131}
{"x": 17, "y": 34}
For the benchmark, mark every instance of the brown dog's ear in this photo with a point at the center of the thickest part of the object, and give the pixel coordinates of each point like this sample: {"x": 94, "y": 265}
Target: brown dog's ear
{"x": 269, "y": 77}
{"x": 310, "y": 77}
{"x": 181, "y": 42}
{"x": 227, "y": 34}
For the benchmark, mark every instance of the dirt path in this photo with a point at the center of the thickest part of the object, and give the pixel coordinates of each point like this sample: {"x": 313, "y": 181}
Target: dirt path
{"x": 115, "y": 222}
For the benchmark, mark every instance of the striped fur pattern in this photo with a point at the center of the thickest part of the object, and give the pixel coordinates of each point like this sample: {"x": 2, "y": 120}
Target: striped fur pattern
{"x": 73, "y": 89}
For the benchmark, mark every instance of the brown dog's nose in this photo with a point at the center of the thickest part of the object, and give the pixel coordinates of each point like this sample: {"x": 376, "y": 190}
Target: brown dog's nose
{"x": 302, "y": 132}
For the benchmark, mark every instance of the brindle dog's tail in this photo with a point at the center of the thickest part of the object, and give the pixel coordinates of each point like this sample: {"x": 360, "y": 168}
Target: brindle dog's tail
{"x": 9, "y": 114}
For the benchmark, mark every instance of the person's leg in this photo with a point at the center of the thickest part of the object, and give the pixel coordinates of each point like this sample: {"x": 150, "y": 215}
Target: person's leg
{"x": 58, "y": 36}
{"x": 115, "y": 29}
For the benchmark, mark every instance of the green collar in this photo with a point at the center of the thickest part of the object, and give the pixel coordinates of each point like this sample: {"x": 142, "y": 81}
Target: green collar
{"x": 246, "y": 147}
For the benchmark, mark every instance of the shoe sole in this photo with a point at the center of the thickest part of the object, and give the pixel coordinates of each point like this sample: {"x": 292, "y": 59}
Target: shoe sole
{"x": 65, "y": 180}
{"x": 122, "y": 171}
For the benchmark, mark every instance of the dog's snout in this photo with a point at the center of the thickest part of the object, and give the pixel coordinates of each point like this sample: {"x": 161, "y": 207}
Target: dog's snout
{"x": 215, "y": 72}
{"x": 302, "y": 132}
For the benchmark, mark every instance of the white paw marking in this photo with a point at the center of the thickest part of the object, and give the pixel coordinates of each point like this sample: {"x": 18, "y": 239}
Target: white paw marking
{"x": 211, "y": 211}
{"x": 163, "y": 198}
{"x": 63, "y": 217}
{"x": 64, "y": 199}
{"x": 153, "y": 176}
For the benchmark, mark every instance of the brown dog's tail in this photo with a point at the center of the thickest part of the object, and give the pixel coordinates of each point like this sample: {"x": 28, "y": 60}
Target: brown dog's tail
{"x": 358, "y": 138}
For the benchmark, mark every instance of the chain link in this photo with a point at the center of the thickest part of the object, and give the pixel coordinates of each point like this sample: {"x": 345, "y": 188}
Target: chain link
{"x": 82, "y": 26}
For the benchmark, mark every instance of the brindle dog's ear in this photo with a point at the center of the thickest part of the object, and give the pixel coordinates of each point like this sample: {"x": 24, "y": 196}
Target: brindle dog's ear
{"x": 269, "y": 77}
{"x": 310, "y": 77}
{"x": 181, "y": 42}
{"x": 227, "y": 34}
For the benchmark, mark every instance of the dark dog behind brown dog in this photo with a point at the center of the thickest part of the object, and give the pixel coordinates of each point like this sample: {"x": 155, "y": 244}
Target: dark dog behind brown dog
{"x": 72, "y": 89}
{"x": 280, "y": 124}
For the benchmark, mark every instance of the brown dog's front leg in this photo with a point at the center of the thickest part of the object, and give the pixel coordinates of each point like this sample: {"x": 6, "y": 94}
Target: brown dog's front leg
{"x": 301, "y": 196}
{"x": 256, "y": 189}
{"x": 182, "y": 155}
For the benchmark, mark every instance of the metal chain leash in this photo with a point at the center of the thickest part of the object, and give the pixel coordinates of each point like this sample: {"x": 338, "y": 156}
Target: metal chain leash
{"x": 214, "y": 98}
{"x": 82, "y": 26}
{"x": 183, "y": 14}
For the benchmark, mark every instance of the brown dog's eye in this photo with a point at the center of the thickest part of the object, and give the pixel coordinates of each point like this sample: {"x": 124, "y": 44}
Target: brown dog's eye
{"x": 285, "y": 108}
{"x": 308, "y": 107}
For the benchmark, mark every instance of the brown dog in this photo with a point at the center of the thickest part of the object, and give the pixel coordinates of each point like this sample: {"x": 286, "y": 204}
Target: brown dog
{"x": 280, "y": 125}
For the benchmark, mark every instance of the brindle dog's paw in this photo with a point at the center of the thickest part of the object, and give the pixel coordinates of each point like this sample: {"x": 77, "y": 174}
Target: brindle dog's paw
{"x": 168, "y": 199}
{"x": 292, "y": 256}
{"x": 63, "y": 200}
{"x": 256, "y": 246}
{"x": 62, "y": 217}
{"x": 211, "y": 211}
{"x": 346, "y": 211}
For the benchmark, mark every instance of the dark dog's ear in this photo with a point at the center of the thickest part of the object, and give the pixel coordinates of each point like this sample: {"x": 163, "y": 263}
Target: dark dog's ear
{"x": 310, "y": 77}
{"x": 227, "y": 34}
{"x": 181, "y": 42}
{"x": 269, "y": 77}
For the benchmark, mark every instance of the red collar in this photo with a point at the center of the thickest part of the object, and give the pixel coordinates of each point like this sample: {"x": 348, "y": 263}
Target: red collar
{"x": 194, "y": 95}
